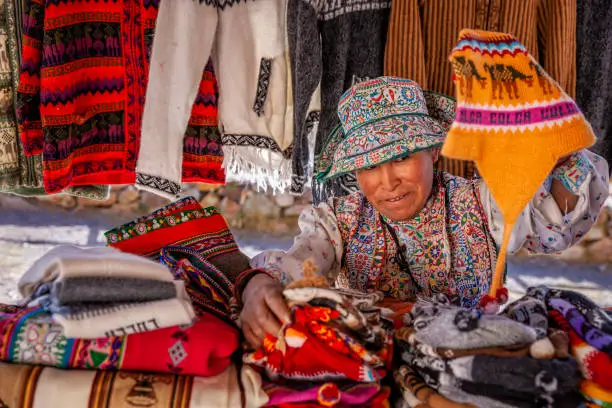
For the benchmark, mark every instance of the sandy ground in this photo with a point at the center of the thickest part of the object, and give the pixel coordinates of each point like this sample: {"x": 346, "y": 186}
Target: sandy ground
{"x": 27, "y": 233}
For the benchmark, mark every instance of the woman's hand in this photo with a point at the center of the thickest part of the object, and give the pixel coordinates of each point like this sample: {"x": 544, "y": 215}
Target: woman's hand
{"x": 264, "y": 309}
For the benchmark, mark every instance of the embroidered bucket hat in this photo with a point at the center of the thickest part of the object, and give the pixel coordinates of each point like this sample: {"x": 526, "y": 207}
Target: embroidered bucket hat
{"x": 381, "y": 120}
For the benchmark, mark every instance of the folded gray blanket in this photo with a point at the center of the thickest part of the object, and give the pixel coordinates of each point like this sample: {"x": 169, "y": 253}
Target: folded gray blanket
{"x": 100, "y": 290}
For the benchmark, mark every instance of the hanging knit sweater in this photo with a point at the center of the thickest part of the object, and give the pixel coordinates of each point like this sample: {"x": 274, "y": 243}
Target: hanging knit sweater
{"x": 82, "y": 88}
{"x": 336, "y": 43}
{"x": 9, "y": 147}
{"x": 21, "y": 174}
{"x": 422, "y": 34}
{"x": 248, "y": 43}
{"x": 594, "y": 70}
{"x": 202, "y": 154}
{"x": 81, "y": 63}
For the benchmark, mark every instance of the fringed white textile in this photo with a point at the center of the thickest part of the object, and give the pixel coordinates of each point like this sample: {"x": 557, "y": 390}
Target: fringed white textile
{"x": 265, "y": 169}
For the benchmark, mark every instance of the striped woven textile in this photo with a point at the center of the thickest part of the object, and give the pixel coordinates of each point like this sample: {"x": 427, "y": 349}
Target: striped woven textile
{"x": 82, "y": 90}
{"x": 31, "y": 386}
{"x": 82, "y": 77}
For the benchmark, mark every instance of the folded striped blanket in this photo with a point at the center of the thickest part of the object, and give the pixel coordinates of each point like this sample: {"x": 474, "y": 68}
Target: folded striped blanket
{"x": 28, "y": 386}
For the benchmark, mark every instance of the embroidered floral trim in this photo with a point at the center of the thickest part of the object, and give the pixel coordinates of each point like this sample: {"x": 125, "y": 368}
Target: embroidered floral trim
{"x": 144, "y": 226}
{"x": 163, "y": 211}
{"x": 263, "y": 84}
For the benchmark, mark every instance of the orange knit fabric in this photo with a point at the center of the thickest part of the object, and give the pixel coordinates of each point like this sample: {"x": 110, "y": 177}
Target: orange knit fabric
{"x": 512, "y": 119}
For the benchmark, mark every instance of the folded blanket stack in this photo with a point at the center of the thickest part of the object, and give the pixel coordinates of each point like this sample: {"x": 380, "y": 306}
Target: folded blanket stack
{"x": 589, "y": 330}
{"x": 118, "y": 329}
{"x": 454, "y": 357}
{"x": 196, "y": 244}
{"x": 102, "y": 292}
{"x": 335, "y": 352}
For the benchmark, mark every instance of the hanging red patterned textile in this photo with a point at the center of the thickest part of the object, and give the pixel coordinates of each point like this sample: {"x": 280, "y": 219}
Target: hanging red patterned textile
{"x": 202, "y": 154}
{"x": 82, "y": 90}
{"x": 30, "y": 336}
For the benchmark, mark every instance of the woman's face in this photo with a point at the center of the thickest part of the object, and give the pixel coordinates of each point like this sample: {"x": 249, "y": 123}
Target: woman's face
{"x": 400, "y": 189}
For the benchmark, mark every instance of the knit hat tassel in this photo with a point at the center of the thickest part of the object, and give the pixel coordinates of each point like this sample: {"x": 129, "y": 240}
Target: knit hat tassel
{"x": 515, "y": 122}
{"x": 498, "y": 294}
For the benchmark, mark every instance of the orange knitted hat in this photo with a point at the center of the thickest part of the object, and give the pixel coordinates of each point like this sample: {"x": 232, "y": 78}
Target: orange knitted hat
{"x": 513, "y": 120}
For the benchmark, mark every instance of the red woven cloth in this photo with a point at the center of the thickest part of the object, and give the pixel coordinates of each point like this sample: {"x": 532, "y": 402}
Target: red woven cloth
{"x": 28, "y": 335}
{"x": 202, "y": 154}
{"x": 312, "y": 348}
{"x": 82, "y": 92}
{"x": 195, "y": 243}
{"x": 182, "y": 223}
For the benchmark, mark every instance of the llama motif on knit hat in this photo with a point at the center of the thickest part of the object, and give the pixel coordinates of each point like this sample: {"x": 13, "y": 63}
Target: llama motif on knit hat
{"x": 515, "y": 124}
{"x": 506, "y": 78}
{"x": 465, "y": 73}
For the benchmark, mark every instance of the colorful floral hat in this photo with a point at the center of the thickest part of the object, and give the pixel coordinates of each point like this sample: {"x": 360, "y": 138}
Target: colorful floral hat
{"x": 382, "y": 120}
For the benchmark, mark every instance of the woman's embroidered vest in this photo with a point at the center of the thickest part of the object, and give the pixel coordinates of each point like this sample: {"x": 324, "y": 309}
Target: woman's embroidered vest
{"x": 451, "y": 249}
